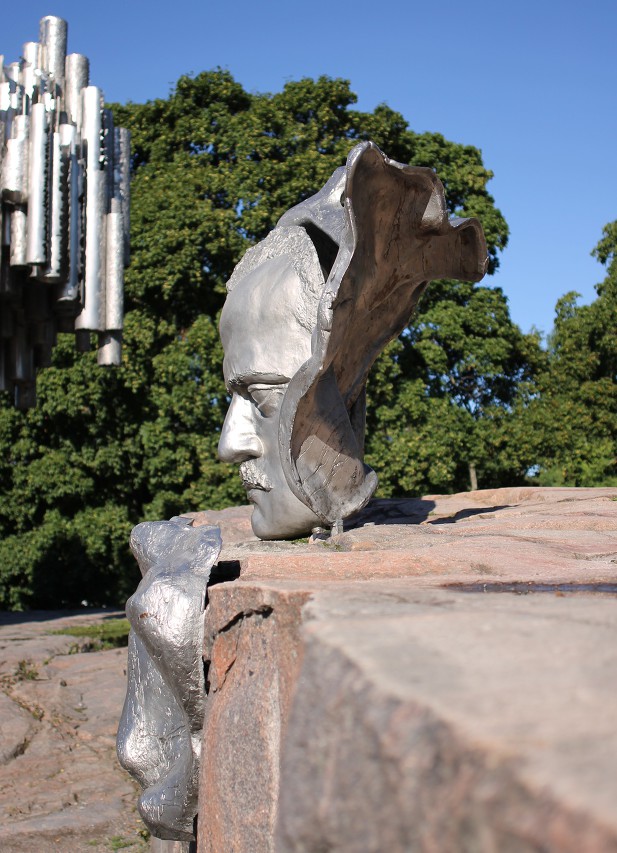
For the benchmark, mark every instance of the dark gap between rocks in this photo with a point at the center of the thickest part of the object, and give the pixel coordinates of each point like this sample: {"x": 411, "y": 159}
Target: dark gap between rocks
{"x": 527, "y": 587}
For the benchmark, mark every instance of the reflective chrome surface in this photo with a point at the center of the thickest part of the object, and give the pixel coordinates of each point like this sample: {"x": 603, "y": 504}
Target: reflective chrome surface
{"x": 64, "y": 206}
{"x": 159, "y": 737}
{"x": 308, "y": 311}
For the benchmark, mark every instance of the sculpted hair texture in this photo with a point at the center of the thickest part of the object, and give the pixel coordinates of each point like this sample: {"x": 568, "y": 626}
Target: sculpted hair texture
{"x": 295, "y": 245}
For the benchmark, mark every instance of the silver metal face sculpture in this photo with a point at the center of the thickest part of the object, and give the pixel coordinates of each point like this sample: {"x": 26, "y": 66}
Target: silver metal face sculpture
{"x": 266, "y": 330}
{"x": 308, "y": 311}
{"x": 159, "y": 736}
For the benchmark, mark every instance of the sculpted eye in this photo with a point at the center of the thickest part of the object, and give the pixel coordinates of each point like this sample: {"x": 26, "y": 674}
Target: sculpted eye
{"x": 267, "y": 398}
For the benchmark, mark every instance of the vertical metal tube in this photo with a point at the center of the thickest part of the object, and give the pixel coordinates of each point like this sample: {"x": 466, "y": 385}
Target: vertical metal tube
{"x": 77, "y": 78}
{"x": 30, "y": 74}
{"x": 15, "y": 164}
{"x": 12, "y": 73}
{"x": 5, "y": 230}
{"x": 109, "y": 151}
{"x": 52, "y": 36}
{"x": 22, "y": 356}
{"x": 40, "y": 323}
{"x": 67, "y": 293}
{"x": 8, "y": 285}
{"x": 82, "y": 340}
{"x": 38, "y": 183}
{"x": 35, "y": 301}
{"x": 108, "y": 348}
{"x": 5, "y": 268}
{"x": 45, "y": 333}
{"x": 109, "y": 352}
{"x": 110, "y": 344}
{"x": 19, "y": 236}
{"x": 6, "y": 324}
{"x": 122, "y": 183}
{"x": 5, "y": 382}
{"x": 9, "y": 282}
{"x": 25, "y": 396}
{"x": 58, "y": 215}
{"x": 92, "y": 315}
{"x": 5, "y": 108}
{"x": 5, "y": 97}
{"x": 114, "y": 272}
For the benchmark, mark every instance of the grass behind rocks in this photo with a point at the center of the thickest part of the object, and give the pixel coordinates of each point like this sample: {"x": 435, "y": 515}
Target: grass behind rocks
{"x": 112, "y": 634}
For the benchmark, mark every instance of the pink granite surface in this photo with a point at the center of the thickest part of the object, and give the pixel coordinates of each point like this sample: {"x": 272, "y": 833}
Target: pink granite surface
{"x": 367, "y": 694}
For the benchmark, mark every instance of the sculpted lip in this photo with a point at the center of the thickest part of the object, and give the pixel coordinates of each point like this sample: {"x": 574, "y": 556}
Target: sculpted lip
{"x": 249, "y": 484}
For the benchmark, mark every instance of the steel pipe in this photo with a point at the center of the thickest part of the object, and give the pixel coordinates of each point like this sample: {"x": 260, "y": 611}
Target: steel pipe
{"x": 15, "y": 163}
{"x": 31, "y": 73}
{"x": 19, "y": 236}
{"x": 58, "y": 212}
{"x": 95, "y": 209}
{"x": 67, "y": 293}
{"x": 36, "y": 252}
{"x": 122, "y": 183}
{"x": 52, "y": 35}
{"x": 77, "y": 77}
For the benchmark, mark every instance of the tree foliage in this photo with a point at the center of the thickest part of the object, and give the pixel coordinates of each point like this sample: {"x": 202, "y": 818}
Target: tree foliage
{"x": 569, "y": 428}
{"x": 442, "y": 399}
{"x": 214, "y": 167}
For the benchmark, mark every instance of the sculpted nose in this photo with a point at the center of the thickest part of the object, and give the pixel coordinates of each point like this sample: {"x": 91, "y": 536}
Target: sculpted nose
{"x": 239, "y": 441}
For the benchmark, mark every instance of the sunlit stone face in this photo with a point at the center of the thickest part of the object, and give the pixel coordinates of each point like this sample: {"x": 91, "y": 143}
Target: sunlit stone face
{"x": 264, "y": 345}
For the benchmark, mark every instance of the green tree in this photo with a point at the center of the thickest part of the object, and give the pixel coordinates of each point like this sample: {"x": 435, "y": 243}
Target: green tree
{"x": 213, "y": 169}
{"x": 443, "y": 396}
{"x": 570, "y": 426}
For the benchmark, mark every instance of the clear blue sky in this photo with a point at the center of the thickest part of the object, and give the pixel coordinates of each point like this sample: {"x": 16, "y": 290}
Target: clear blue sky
{"x": 532, "y": 84}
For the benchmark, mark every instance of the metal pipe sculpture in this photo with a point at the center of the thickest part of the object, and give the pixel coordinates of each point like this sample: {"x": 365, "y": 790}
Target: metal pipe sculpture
{"x": 64, "y": 214}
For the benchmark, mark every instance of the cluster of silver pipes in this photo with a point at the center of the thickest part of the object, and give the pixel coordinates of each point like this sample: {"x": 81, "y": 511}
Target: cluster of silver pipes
{"x": 64, "y": 186}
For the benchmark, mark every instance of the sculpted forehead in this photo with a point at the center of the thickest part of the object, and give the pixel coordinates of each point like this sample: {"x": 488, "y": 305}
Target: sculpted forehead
{"x": 259, "y": 329}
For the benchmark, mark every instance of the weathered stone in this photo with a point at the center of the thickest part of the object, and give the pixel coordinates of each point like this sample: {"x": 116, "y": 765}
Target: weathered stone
{"x": 234, "y": 523}
{"x": 252, "y": 645}
{"x": 16, "y": 727}
{"x": 368, "y": 695}
{"x": 453, "y": 722}
{"x": 504, "y": 534}
{"x": 61, "y": 787}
